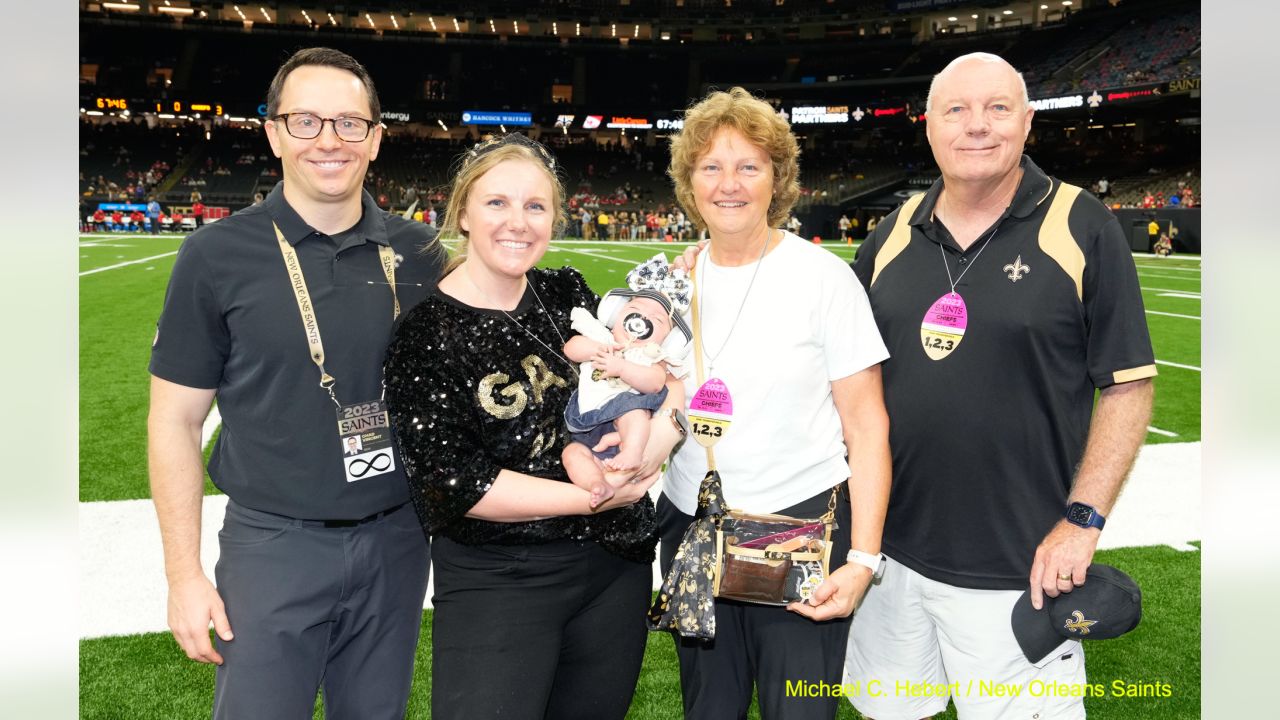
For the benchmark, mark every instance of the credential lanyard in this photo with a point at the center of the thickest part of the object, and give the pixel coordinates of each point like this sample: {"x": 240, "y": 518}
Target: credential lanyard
{"x": 310, "y": 324}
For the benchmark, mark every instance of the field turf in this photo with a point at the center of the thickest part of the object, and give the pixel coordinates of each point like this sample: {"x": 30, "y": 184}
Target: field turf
{"x": 122, "y": 283}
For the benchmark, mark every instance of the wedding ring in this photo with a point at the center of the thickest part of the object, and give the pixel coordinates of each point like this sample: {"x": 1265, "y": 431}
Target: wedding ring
{"x": 1064, "y": 577}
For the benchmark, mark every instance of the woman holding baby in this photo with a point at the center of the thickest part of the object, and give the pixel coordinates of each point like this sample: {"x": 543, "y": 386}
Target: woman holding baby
{"x": 540, "y": 596}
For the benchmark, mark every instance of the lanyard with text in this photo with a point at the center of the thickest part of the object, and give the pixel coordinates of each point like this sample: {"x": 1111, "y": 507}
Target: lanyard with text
{"x": 364, "y": 430}
{"x": 386, "y": 255}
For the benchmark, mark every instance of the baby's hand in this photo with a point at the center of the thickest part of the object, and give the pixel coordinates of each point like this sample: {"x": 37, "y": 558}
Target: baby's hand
{"x": 610, "y": 362}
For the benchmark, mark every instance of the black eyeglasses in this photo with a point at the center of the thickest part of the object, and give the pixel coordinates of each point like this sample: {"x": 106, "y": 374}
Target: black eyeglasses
{"x": 306, "y": 126}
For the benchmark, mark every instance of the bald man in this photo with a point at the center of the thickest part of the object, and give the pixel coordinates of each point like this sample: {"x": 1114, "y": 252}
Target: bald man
{"x": 1007, "y": 299}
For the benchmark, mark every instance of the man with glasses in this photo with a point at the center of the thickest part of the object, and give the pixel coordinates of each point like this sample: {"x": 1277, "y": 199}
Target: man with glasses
{"x": 282, "y": 312}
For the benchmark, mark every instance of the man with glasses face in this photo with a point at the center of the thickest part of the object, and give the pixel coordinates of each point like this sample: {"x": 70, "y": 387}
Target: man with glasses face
{"x": 282, "y": 312}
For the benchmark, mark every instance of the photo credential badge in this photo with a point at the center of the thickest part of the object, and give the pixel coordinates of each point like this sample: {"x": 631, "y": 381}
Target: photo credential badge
{"x": 365, "y": 433}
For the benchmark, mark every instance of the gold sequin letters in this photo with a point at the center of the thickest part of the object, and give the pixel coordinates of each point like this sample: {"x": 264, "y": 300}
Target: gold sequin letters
{"x": 502, "y": 411}
{"x": 540, "y": 376}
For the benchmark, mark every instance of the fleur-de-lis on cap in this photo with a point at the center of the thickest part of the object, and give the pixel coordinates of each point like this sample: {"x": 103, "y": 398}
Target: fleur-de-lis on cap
{"x": 655, "y": 274}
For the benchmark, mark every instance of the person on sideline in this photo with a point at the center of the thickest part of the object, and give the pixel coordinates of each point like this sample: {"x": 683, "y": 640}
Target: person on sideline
{"x": 282, "y": 312}
{"x": 999, "y": 282}
{"x": 787, "y": 329}
{"x": 539, "y": 599}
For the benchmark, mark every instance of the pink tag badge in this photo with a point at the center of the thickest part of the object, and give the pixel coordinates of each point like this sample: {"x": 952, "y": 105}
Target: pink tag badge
{"x": 943, "y": 326}
{"x": 710, "y": 412}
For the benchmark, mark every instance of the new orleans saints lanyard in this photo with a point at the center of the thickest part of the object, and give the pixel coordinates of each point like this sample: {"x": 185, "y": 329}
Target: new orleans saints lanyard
{"x": 364, "y": 430}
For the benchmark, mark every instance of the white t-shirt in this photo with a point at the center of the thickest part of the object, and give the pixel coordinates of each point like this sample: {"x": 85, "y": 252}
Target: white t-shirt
{"x": 806, "y": 323}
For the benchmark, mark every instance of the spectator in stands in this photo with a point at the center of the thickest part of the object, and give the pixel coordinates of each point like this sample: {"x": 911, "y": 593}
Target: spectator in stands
{"x": 539, "y": 601}
{"x": 1104, "y": 188}
{"x": 767, "y": 297}
{"x": 1054, "y": 315}
{"x": 257, "y": 198}
{"x": 323, "y": 566}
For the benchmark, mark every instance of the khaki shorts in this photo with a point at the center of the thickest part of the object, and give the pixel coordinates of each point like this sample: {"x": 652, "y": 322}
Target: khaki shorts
{"x": 916, "y": 644}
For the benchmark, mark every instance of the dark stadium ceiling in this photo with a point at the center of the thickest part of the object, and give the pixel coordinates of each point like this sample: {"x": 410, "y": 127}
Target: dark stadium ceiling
{"x": 474, "y": 15}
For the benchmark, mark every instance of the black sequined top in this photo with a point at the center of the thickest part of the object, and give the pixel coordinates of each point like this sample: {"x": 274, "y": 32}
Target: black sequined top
{"x": 471, "y": 393}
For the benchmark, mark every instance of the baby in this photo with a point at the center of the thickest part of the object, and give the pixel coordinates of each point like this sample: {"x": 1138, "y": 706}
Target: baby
{"x": 625, "y": 352}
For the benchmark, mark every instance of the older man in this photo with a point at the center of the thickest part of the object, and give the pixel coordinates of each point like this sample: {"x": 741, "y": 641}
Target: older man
{"x": 1006, "y": 298}
{"x": 283, "y": 312}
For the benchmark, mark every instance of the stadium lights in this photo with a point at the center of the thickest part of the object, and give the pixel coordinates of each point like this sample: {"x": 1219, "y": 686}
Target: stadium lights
{"x": 555, "y": 30}
{"x": 331, "y": 20}
{"x": 442, "y": 125}
{"x": 95, "y": 113}
{"x": 456, "y": 27}
{"x": 368, "y": 17}
{"x": 516, "y": 25}
{"x": 207, "y": 135}
{"x": 1066, "y": 2}
{"x": 1044, "y": 7}
{"x": 307, "y": 17}
{"x": 577, "y": 29}
{"x": 636, "y": 33}
{"x": 666, "y": 35}
{"x": 240, "y": 12}
{"x": 951, "y": 19}
{"x": 503, "y": 128}
{"x": 394, "y": 23}
{"x": 974, "y": 16}
{"x": 176, "y": 10}
{"x": 1008, "y": 12}
{"x": 162, "y": 116}
{"x": 264, "y": 12}
{"x": 128, "y": 7}
{"x": 613, "y": 30}
{"x": 432, "y": 20}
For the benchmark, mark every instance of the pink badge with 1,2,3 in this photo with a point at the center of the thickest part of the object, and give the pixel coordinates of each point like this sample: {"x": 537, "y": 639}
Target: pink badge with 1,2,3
{"x": 710, "y": 412}
{"x": 943, "y": 326}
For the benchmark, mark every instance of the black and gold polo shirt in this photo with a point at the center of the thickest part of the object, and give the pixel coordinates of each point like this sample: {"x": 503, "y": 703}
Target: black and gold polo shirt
{"x": 986, "y": 438}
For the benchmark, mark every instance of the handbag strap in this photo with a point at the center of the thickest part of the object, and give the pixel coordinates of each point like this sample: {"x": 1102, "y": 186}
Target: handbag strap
{"x": 694, "y": 304}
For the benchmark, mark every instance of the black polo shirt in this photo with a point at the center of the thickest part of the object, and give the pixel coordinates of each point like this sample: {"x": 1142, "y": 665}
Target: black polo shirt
{"x": 231, "y": 322}
{"x": 986, "y": 440}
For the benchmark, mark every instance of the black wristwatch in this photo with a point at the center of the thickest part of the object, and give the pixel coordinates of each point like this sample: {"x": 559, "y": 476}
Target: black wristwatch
{"x": 1086, "y": 516}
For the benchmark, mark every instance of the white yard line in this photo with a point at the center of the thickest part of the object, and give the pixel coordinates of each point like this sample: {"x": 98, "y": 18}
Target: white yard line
{"x": 1178, "y": 365}
{"x": 122, "y": 586}
{"x": 1158, "y": 431}
{"x": 1177, "y": 315}
{"x": 1187, "y": 293}
{"x": 1179, "y": 295}
{"x": 126, "y": 263}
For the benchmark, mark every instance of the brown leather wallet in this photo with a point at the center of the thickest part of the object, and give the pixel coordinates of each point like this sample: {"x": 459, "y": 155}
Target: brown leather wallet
{"x": 754, "y": 580}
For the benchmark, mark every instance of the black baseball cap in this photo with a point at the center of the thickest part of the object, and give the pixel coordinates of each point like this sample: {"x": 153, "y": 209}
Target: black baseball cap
{"x": 1108, "y": 605}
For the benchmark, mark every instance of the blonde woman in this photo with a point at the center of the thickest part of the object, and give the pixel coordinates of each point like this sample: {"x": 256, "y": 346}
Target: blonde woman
{"x": 539, "y": 599}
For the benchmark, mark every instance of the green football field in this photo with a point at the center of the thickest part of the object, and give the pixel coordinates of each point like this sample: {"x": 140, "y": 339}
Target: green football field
{"x": 122, "y": 282}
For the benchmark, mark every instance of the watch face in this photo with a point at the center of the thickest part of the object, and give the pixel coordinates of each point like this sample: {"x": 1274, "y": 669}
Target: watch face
{"x": 1079, "y": 514}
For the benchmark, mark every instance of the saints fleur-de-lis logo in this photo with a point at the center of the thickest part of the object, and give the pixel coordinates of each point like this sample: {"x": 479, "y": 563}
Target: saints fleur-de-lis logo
{"x": 1016, "y": 269}
{"x": 1077, "y": 623}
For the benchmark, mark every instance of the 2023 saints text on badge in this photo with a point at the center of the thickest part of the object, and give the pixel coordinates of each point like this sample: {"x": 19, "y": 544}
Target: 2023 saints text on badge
{"x": 365, "y": 432}
{"x": 1118, "y": 688}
